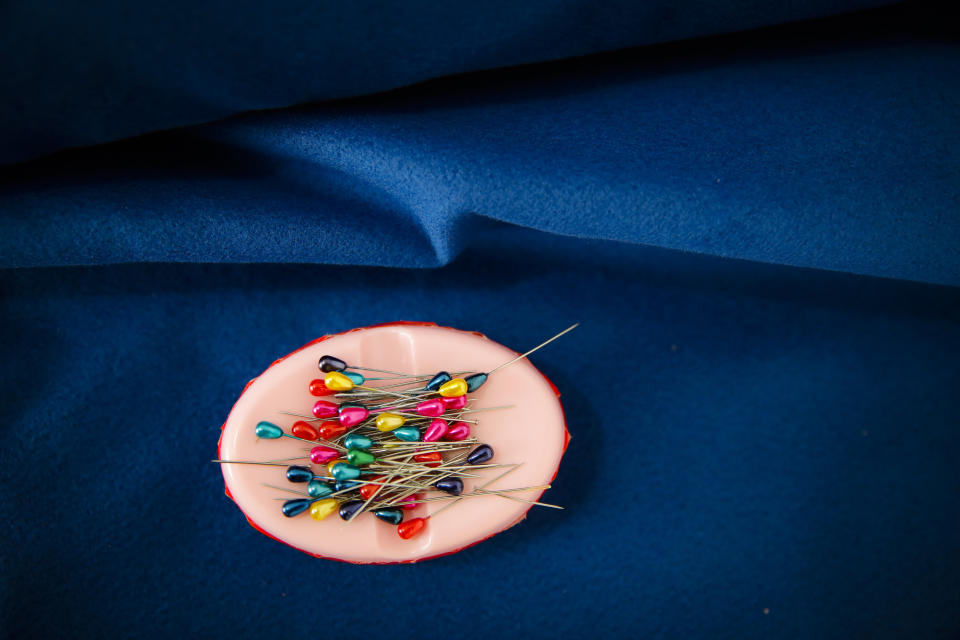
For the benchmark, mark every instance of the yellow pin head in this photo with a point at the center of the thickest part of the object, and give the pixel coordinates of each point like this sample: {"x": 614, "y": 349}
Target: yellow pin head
{"x": 336, "y": 381}
{"x": 389, "y": 421}
{"x": 452, "y": 388}
{"x": 322, "y": 508}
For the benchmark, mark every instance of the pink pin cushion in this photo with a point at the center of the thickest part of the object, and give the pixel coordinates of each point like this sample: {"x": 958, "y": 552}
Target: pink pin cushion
{"x": 532, "y": 432}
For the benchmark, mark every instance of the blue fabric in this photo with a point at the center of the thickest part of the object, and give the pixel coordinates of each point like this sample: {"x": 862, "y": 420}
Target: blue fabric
{"x": 770, "y": 438}
{"x": 757, "y": 232}
{"x": 814, "y": 152}
{"x": 81, "y": 73}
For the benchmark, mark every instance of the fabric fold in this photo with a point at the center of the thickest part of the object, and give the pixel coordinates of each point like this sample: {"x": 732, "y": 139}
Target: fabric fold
{"x": 95, "y": 72}
{"x": 810, "y": 154}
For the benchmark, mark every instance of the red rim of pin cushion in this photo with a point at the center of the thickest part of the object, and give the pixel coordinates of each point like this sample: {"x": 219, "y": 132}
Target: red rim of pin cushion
{"x": 226, "y": 489}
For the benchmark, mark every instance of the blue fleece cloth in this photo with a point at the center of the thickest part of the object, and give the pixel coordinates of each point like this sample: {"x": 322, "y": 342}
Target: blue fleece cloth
{"x": 767, "y": 452}
{"x": 798, "y": 147}
{"x": 81, "y": 73}
{"x": 757, "y": 232}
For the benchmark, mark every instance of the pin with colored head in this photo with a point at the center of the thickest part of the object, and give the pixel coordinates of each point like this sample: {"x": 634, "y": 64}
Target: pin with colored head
{"x": 319, "y": 508}
{"x": 348, "y": 415}
{"x": 299, "y": 474}
{"x": 410, "y": 528}
{"x": 452, "y": 485}
{"x": 270, "y": 431}
{"x": 477, "y": 380}
{"x": 330, "y": 363}
{"x": 390, "y": 516}
{"x": 407, "y": 434}
{"x": 317, "y": 486}
{"x": 457, "y": 431}
{"x": 342, "y": 382}
{"x": 304, "y": 430}
{"x": 350, "y": 508}
{"x": 437, "y": 429}
{"x": 359, "y": 457}
{"x": 483, "y": 453}
{"x": 357, "y": 441}
{"x": 436, "y": 381}
{"x": 323, "y": 455}
{"x": 345, "y": 485}
{"x": 432, "y": 459}
{"x": 389, "y": 421}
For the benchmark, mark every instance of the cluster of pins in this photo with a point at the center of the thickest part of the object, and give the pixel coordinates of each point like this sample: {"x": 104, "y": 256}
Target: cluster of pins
{"x": 385, "y": 450}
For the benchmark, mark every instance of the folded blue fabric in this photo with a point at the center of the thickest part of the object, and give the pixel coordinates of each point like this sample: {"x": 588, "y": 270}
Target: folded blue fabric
{"x": 800, "y": 150}
{"x": 81, "y": 73}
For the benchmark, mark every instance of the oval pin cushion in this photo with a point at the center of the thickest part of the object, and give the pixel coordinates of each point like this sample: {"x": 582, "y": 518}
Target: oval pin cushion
{"x": 393, "y": 443}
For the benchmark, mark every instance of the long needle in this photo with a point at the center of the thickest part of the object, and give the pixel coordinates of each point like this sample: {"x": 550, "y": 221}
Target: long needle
{"x": 506, "y": 364}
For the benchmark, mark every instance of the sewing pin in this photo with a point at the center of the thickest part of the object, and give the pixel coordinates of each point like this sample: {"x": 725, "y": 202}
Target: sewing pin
{"x": 270, "y": 431}
{"x": 410, "y": 528}
{"x": 477, "y": 380}
{"x": 330, "y": 363}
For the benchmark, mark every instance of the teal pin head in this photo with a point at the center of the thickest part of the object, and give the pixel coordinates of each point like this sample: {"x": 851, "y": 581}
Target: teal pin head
{"x": 268, "y": 430}
{"x": 475, "y": 381}
{"x": 407, "y": 434}
{"x": 319, "y": 489}
{"x": 344, "y": 471}
{"x": 356, "y": 441}
{"x": 295, "y": 507}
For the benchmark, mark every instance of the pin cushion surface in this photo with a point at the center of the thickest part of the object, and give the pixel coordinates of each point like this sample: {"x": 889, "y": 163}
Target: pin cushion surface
{"x": 528, "y": 431}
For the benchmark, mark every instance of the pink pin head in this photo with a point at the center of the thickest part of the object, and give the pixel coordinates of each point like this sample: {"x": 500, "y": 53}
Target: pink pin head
{"x": 458, "y": 431}
{"x": 325, "y": 409}
{"x": 437, "y": 429}
{"x": 323, "y": 455}
{"x": 352, "y": 416}
{"x": 454, "y": 404}
{"x": 410, "y": 502}
{"x": 431, "y": 408}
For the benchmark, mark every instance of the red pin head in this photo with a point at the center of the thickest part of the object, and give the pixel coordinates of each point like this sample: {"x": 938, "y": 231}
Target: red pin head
{"x": 318, "y": 388}
{"x": 410, "y": 528}
{"x": 304, "y": 430}
{"x": 331, "y": 429}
